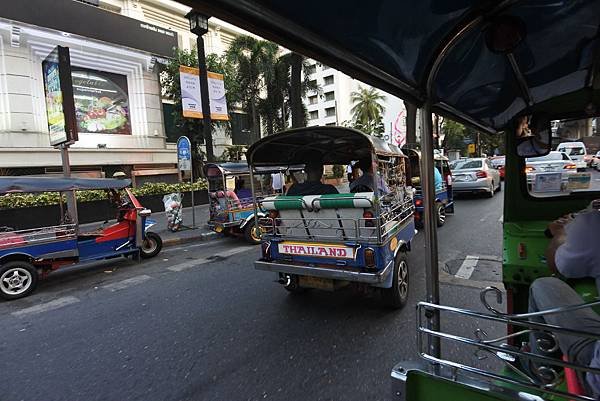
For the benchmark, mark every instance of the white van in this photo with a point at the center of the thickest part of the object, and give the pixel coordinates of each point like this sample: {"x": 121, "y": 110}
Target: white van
{"x": 577, "y": 152}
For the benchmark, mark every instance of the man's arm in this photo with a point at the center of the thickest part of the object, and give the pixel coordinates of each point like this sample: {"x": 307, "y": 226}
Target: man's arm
{"x": 557, "y": 229}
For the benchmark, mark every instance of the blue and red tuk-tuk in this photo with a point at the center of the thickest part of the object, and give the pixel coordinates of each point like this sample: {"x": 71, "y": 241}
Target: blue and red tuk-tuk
{"x": 231, "y": 207}
{"x": 27, "y": 254}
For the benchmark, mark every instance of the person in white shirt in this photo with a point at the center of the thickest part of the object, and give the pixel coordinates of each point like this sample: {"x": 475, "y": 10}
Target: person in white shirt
{"x": 573, "y": 252}
{"x": 277, "y": 182}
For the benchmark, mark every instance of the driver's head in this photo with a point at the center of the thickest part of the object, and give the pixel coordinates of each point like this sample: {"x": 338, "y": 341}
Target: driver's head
{"x": 313, "y": 168}
{"x": 365, "y": 165}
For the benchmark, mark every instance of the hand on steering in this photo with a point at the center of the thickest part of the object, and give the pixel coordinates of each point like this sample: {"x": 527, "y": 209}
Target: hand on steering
{"x": 557, "y": 227}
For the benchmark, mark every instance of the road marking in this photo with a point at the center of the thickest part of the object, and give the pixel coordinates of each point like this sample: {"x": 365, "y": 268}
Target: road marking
{"x": 468, "y": 266}
{"x": 187, "y": 265}
{"x": 47, "y": 306}
{"x": 121, "y": 285}
{"x": 197, "y": 262}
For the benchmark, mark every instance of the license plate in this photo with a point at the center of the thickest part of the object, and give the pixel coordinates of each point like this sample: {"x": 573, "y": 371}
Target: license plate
{"x": 316, "y": 250}
{"x": 316, "y": 282}
{"x": 462, "y": 178}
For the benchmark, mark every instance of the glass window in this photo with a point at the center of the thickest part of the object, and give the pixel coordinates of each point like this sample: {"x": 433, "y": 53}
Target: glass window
{"x": 311, "y": 69}
{"x": 329, "y": 96}
{"x": 466, "y": 164}
{"x": 101, "y": 102}
{"x": 328, "y": 80}
{"x": 330, "y": 112}
{"x": 313, "y": 115}
{"x": 312, "y": 99}
{"x": 570, "y": 168}
{"x": 313, "y": 82}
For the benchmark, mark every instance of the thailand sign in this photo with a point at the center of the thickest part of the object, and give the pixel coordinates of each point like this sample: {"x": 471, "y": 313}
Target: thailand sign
{"x": 191, "y": 99}
{"x": 60, "y": 105}
{"x": 184, "y": 153}
{"x": 318, "y": 250}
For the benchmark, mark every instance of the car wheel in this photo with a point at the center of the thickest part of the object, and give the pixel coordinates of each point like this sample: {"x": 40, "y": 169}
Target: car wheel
{"x": 396, "y": 296}
{"x": 491, "y": 190}
{"x": 17, "y": 279}
{"x": 151, "y": 246}
{"x": 440, "y": 214}
{"x": 252, "y": 233}
{"x": 499, "y": 187}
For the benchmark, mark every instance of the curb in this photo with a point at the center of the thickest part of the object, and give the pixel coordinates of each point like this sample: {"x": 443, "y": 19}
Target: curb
{"x": 201, "y": 237}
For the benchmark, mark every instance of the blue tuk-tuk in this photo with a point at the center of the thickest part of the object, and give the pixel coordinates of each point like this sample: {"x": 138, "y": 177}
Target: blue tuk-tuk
{"x": 231, "y": 206}
{"x": 331, "y": 241}
{"x": 444, "y": 198}
{"x": 26, "y": 254}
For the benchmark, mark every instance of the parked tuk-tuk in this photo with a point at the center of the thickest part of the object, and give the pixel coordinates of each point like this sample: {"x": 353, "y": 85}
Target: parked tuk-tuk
{"x": 512, "y": 67}
{"x": 444, "y": 199}
{"x": 27, "y": 254}
{"x": 231, "y": 206}
{"x": 328, "y": 241}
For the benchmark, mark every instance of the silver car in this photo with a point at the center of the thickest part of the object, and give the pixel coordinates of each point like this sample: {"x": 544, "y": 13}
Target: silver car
{"x": 475, "y": 175}
{"x": 553, "y": 162}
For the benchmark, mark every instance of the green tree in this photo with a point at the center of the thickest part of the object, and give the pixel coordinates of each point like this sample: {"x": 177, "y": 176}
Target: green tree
{"x": 249, "y": 59}
{"x": 367, "y": 111}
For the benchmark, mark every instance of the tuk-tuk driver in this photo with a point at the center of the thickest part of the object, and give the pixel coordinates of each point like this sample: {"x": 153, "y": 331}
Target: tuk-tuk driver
{"x": 313, "y": 185}
{"x": 573, "y": 252}
{"x": 365, "y": 182}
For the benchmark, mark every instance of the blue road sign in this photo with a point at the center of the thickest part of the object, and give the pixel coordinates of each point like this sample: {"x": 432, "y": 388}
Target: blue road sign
{"x": 184, "y": 153}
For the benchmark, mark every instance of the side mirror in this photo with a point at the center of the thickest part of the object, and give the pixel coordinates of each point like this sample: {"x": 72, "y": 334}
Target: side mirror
{"x": 534, "y": 138}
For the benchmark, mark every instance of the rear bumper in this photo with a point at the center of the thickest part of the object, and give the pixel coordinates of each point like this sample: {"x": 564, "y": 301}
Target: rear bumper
{"x": 470, "y": 186}
{"x": 323, "y": 272}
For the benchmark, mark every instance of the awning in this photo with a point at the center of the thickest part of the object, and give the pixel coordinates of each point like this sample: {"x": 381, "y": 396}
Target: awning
{"x": 335, "y": 145}
{"x": 395, "y": 44}
{"x": 51, "y": 184}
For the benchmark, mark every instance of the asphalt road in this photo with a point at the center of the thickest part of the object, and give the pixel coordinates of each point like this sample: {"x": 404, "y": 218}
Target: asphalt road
{"x": 199, "y": 323}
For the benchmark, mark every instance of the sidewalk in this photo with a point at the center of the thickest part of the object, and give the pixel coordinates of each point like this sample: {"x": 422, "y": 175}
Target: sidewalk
{"x": 200, "y": 233}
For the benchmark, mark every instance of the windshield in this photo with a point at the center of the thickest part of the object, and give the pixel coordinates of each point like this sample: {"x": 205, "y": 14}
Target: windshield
{"x": 467, "y": 164}
{"x": 569, "y": 172}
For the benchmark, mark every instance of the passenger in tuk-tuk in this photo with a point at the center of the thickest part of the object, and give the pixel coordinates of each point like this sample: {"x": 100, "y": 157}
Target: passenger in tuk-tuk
{"x": 241, "y": 191}
{"x": 313, "y": 185}
{"x": 365, "y": 182}
{"x": 572, "y": 253}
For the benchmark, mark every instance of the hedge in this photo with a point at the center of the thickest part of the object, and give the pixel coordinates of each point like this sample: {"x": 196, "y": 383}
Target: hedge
{"x": 12, "y": 201}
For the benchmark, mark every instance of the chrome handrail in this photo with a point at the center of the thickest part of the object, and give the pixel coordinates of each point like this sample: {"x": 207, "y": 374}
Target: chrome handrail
{"x": 507, "y": 354}
{"x": 33, "y": 236}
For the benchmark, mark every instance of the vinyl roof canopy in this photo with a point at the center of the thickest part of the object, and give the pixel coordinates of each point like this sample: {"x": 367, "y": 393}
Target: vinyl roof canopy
{"x": 436, "y": 50}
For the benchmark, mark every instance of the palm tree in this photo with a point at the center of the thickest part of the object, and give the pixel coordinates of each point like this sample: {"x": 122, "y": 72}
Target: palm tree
{"x": 367, "y": 110}
{"x": 251, "y": 59}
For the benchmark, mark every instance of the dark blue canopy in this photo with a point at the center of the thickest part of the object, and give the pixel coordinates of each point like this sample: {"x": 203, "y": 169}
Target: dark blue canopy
{"x": 58, "y": 184}
{"x": 396, "y": 44}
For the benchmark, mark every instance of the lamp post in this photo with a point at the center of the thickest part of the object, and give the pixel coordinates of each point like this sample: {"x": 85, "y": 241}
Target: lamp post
{"x": 199, "y": 26}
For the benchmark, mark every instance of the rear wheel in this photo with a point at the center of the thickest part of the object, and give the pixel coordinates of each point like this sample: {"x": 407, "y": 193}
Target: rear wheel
{"x": 151, "y": 246}
{"x": 252, "y": 233}
{"x": 18, "y": 279}
{"x": 396, "y": 296}
{"x": 491, "y": 190}
{"x": 440, "y": 213}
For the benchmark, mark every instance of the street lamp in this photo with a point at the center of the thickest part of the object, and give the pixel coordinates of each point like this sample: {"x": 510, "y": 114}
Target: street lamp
{"x": 198, "y": 22}
{"x": 199, "y": 26}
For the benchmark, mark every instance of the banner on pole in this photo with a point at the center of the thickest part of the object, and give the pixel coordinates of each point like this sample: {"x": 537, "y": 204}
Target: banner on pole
{"x": 399, "y": 129}
{"x": 191, "y": 100}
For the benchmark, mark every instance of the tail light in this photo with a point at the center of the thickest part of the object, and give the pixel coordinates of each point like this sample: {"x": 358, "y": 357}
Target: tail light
{"x": 587, "y": 158}
{"x": 370, "y": 258}
{"x": 529, "y": 169}
{"x": 481, "y": 174}
{"x": 368, "y": 216}
{"x": 570, "y": 166}
{"x": 419, "y": 202}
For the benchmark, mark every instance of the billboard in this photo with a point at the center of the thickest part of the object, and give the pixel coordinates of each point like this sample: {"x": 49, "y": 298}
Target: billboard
{"x": 191, "y": 100}
{"x": 60, "y": 106}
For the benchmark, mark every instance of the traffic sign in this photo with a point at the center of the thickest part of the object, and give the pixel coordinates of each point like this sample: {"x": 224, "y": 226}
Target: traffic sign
{"x": 471, "y": 148}
{"x": 184, "y": 153}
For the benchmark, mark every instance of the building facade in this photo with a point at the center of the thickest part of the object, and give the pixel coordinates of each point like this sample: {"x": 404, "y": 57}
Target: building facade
{"x": 115, "y": 46}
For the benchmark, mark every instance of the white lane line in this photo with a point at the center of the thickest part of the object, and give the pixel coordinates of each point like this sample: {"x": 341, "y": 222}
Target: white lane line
{"x": 47, "y": 306}
{"x": 187, "y": 265}
{"x": 121, "y": 285}
{"x": 468, "y": 266}
{"x": 197, "y": 262}
{"x": 234, "y": 251}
